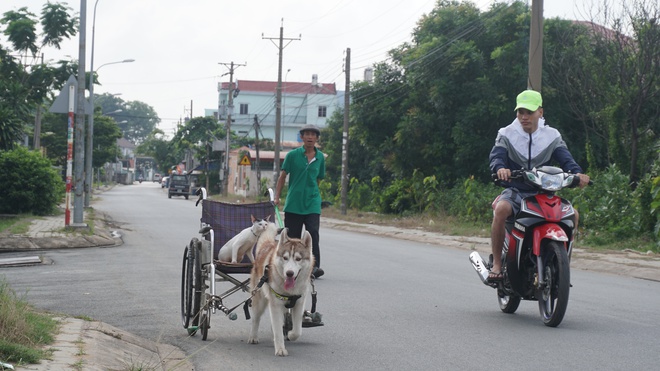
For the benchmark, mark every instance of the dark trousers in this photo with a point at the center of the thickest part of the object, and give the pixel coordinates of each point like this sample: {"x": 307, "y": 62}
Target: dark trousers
{"x": 294, "y": 223}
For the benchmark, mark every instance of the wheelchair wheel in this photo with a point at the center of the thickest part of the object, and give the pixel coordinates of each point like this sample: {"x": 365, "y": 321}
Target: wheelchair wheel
{"x": 197, "y": 282}
{"x": 186, "y": 287}
{"x": 205, "y": 323}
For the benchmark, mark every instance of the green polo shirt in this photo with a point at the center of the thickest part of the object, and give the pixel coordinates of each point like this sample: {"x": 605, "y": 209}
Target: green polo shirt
{"x": 303, "y": 196}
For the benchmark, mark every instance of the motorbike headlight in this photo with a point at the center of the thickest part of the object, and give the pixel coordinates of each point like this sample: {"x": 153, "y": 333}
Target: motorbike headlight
{"x": 551, "y": 182}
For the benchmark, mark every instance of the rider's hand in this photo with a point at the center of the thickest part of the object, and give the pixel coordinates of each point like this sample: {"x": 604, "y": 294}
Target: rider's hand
{"x": 584, "y": 180}
{"x": 503, "y": 174}
{"x": 276, "y": 200}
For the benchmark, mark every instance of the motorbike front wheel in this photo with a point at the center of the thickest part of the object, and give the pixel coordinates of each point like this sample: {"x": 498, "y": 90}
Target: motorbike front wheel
{"x": 553, "y": 296}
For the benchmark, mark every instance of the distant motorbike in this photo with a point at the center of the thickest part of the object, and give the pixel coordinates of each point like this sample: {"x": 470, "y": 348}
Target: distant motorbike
{"x": 140, "y": 179}
{"x": 537, "y": 247}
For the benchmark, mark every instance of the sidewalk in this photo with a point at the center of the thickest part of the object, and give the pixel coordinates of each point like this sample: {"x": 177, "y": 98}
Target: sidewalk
{"x": 49, "y": 232}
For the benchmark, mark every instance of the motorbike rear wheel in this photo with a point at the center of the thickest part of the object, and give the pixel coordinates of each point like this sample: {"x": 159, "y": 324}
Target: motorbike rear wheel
{"x": 553, "y": 297}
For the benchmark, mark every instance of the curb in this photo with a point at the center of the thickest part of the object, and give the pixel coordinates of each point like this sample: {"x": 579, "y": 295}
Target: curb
{"x": 98, "y": 346}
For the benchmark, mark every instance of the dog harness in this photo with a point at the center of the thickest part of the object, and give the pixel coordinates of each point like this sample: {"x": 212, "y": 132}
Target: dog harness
{"x": 290, "y": 301}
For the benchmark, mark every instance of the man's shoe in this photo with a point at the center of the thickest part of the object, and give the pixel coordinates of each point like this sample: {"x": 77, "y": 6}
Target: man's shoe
{"x": 317, "y": 272}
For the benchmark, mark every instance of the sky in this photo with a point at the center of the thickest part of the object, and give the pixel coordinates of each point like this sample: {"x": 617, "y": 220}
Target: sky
{"x": 182, "y": 48}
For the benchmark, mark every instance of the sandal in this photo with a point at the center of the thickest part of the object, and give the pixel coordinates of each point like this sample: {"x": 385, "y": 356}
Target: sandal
{"x": 495, "y": 276}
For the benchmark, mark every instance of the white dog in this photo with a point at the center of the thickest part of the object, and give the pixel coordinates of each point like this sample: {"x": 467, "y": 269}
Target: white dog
{"x": 288, "y": 283}
{"x": 241, "y": 244}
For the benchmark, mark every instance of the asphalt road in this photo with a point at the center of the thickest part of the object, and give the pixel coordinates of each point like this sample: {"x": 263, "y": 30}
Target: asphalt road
{"x": 387, "y": 304}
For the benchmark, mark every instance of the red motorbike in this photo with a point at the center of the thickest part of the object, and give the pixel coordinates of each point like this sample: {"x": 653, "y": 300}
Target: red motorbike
{"x": 537, "y": 247}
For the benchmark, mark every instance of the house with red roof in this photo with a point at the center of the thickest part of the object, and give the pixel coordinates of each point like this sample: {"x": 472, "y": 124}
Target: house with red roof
{"x": 302, "y": 103}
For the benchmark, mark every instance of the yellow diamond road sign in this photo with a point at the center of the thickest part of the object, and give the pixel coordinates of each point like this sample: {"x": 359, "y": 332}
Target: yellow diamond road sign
{"x": 245, "y": 161}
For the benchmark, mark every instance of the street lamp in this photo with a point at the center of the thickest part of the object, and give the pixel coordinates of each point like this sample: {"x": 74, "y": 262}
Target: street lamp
{"x": 90, "y": 129}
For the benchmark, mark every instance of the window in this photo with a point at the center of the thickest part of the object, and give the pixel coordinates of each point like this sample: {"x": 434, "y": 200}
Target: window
{"x": 323, "y": 110}
{"x": 244, "y": 109}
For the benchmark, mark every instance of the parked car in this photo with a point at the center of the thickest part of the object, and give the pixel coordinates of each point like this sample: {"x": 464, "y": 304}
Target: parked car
{"x": 165, "y": 182}
{"x": 157, "y": 178}
{"x": 179, "y": 186}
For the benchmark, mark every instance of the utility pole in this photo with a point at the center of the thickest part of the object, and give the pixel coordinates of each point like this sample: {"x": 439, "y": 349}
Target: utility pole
{"x": 278, "y": 98}
{"x": 79, "y": 142}
{"x": 344, "y": 152}
{"x": 535, "y": 47}
{"x": 36, "y": 139}
{"x": 256, "y": 146}
{"x": 230, "y": 109}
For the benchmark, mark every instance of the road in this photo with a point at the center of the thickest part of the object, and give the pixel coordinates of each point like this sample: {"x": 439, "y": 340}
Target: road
{"x": 387, "y": 304}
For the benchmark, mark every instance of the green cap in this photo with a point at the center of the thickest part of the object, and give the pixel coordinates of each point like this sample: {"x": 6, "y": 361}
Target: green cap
{"x": 530, "y": 100}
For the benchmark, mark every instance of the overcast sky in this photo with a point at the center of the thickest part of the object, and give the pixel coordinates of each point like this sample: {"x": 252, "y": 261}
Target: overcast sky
{"x": 179, "y": 46}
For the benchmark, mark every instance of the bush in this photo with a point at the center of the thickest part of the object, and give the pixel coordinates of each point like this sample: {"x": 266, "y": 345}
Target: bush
{"x": 610, "y": 206}
{"x": 470, "y": 201}
{"x": 396, "y": 199}
{"x": 28, "y": 183}
{"x": 359, "y": 195}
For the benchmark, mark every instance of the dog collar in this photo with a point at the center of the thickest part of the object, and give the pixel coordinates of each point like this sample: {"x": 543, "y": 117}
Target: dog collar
{"x": 290, "y": 300}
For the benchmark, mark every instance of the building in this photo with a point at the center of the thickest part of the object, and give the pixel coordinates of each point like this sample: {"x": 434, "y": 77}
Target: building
{"x": 245, "y": 163}
{"x": 302, "y": 103}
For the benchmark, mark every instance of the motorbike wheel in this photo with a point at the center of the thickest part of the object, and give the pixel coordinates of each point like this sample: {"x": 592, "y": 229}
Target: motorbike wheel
{"x": 508, "y": 303}
{"x": 553, "y": 297}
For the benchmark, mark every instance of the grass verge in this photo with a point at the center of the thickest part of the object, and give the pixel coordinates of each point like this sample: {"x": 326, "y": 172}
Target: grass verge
{"x": 18, "y": 224}
{"x": 24, "y": 332}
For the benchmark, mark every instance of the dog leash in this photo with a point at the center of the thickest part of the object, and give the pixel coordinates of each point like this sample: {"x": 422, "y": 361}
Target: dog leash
{"x": 248, "y": 302}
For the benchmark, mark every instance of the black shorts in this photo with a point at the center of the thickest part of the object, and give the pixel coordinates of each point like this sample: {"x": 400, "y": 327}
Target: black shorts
{"x": 514, "y": 197}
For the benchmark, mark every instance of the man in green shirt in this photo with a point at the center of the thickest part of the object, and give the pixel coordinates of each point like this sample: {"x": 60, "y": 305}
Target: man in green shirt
{"x": 305, "y": 167}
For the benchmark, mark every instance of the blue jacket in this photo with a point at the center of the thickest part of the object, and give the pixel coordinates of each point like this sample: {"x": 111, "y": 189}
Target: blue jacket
{"x": 515, "y": 149}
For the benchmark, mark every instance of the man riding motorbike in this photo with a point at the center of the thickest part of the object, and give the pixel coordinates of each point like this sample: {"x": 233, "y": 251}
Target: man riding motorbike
{"x": 525, "y": 143}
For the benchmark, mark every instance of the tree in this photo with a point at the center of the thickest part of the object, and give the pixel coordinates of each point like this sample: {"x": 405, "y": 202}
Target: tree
{"x": 162, "y": 150}
{"x": 106, "y": 133}
{"x": 610, "y": 83}
{"x": 137, "y": 120}
{"x": 13, "y": 109}
{"x": 25, "y": 82}
{"x": 56, "y": 22}
{"x": 436, "y": 107}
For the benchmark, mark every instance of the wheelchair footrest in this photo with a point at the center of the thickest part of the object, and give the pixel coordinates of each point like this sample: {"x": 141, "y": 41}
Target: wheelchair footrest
{"x": 312, "y": 324}
{"x": 312, "y": 319}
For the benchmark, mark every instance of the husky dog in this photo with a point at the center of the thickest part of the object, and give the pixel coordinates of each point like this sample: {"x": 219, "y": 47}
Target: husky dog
{"x": 234, "y": 250}
{"x": 286, "y": 267}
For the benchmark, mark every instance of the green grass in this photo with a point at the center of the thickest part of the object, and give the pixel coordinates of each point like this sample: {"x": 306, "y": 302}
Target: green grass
{"x": 16, "y": 225}
{"x": 604, "y": 241}
{"x": 24, "y": 332}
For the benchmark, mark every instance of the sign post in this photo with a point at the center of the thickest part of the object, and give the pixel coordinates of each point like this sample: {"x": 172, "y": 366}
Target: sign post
{"x": 69, "y": 155}
{"x": 66, "y": 102}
